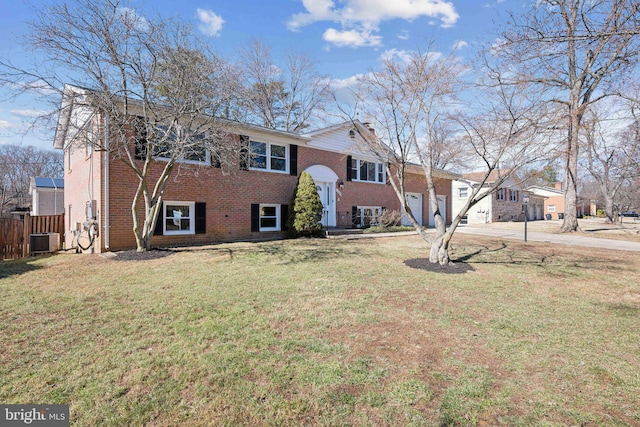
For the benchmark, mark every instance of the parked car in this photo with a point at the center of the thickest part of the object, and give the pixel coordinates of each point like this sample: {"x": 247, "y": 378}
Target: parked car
{"x": 631, "y": 214}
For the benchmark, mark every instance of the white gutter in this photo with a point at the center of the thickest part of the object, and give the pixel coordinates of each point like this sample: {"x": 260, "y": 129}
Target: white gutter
{"x": 106, "y": 182}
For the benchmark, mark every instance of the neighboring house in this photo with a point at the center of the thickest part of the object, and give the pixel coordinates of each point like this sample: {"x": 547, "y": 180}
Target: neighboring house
{"x": 505, "y": 204}
{"x": 554, "y": 201}
{"x": 204, "y": 205}
{"x": 47, "y": 196}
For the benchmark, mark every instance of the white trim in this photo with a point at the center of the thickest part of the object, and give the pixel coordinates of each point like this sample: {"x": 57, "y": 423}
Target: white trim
{"x": 287, "y": 157}
{"x": 277, "y": 217}
{"x": 379, "y": 165}
{"x": 192, "y": 218}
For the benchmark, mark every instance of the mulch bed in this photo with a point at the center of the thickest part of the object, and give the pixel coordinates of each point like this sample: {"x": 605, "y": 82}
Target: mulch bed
{"x": 451, "y": 268}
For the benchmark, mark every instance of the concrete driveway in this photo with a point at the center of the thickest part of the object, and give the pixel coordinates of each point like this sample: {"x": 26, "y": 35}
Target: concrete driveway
{"x": 553, "y": 238}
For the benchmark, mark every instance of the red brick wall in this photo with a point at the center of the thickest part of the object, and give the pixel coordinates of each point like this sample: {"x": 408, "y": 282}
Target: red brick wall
{"x": 558, "y": 201}
{"x": 229, "y": 197}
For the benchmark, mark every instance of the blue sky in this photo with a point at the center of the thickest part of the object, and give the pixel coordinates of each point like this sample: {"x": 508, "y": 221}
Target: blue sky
{"x": 346, "y": 37}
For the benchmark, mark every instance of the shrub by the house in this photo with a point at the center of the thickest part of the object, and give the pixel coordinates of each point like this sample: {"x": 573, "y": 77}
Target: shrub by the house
{"x": 306, "y": 207}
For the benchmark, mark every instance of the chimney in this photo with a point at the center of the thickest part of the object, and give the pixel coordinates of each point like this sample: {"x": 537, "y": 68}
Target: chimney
{"x": 558, "y": 186}
{"x": 368, "y": 126}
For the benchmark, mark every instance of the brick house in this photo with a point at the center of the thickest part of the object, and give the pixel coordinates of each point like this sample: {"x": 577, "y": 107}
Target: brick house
{"x": 505, "y": 204}
{"x": 202, "y": 204}
{"x": 554, "y": 201}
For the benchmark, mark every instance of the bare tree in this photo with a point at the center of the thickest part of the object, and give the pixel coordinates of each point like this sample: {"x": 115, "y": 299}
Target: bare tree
{"x": 410, "y": 101}
{"x": 283, "y": 95}
{"x": 18, "y": 164}
{"x": 577, "y": 52}
{"x": 612, "y": 158}
{"x": 629, "y": 197}
{"x": 157, "y": 89}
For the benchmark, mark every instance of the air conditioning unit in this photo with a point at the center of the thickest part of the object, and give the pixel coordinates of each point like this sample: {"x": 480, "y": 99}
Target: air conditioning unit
{"x": 44, "y": 242}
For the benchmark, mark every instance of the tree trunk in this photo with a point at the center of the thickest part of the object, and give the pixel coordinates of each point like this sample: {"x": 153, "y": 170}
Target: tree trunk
{"x": 570, "y": 222}
{"x": 608, "y": 208}
{"x": 440, "y": 250}
{"x": 137, "y": 231}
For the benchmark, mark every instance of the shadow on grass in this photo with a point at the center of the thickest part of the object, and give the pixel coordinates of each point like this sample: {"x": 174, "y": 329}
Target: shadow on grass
{"x": 16, "y": 267}
{"x": 286, "y": 251}
{"x": 309, "y": 250}
{"x": 498, "y": 255}
{"x": 434, "y": 267}
{"x": 141, "y": 256}
{"x": 624, "y": 310}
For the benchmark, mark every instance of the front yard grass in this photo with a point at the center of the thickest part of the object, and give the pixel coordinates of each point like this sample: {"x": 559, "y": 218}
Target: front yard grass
{"x": 327, "y": 332}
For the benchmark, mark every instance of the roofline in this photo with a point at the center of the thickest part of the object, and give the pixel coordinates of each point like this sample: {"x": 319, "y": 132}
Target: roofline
{"x": 551, "y": 189}
{"x": 68, "y": 101}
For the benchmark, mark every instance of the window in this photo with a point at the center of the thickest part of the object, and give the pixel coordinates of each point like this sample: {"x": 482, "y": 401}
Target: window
{"x": 179, "y": 218}
{"x": 514, "y": 195}
{"x": 268, "y": 156}
{"x": 164, "y": 142}
{"x": 269, "y": 217}
{"x": 196, "y": 149}
{"x": 366, "y": 216}
{"x": 551, "y": 208}
{"x": 500, "y": 194}
{"x": 361, "y": 170}
{"x": 463, "y": 192}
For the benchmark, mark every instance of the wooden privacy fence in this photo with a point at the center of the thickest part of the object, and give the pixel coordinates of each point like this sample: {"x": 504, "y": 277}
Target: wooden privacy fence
{"x": 14, "y": 233}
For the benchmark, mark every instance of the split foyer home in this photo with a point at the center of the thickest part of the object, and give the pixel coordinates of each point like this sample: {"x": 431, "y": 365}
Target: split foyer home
{"x": 203, "y": 204}
{"x": 505, "y": 204}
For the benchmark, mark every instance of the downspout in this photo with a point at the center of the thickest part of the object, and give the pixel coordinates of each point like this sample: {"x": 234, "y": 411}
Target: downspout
{"x": 55, "y": 197}
{"x": 106, "y": 182}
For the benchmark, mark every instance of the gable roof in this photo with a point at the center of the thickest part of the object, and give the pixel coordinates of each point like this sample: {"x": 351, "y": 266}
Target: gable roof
{"x": 76, "y": 111}
{"x": 339, "y": 138}
{"x": 494, "y": 175}
{"x": 538, "y": 189}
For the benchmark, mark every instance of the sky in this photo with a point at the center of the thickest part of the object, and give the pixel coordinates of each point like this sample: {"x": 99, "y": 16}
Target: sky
{"x": 345, "y": 37}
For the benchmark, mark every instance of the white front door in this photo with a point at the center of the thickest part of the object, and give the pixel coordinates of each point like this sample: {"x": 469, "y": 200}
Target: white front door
{"x": 442, "y": 207}
{"x": 327, "y": 193}
{"x": 414, "y": 200}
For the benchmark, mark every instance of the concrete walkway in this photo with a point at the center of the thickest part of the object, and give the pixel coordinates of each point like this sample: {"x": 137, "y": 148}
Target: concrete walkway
{"x": 563, "y": 239}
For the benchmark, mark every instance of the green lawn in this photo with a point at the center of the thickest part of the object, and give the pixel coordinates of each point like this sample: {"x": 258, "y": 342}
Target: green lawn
{"x": 327, "y": 332}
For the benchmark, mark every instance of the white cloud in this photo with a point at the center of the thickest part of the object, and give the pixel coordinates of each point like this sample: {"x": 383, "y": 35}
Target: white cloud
{"x": 131, "y": 17}
{"x": 459, "y": 44}
{"x": 5, "y": 124}
{"x": 351, "y": 38}
{"x": 401, "y": 55}
{"x": 30, "y": 114}
{"x": 404, "y": 35}
{"x": 406, "y": 56}
{"x": 210, "y": 23}
{"x": 356, "y": 15}
{"x": 374, "y": 11}
{"x": 349, "y": 82}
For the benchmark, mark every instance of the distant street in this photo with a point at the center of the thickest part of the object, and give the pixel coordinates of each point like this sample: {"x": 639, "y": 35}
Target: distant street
{"x": 515, "y": 231}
